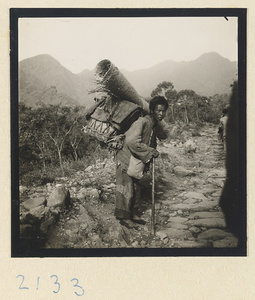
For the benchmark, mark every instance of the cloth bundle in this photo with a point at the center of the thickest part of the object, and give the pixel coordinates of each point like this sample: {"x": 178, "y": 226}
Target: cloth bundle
{"x": 109, "y": 78}
{"x": 117, "y": 106}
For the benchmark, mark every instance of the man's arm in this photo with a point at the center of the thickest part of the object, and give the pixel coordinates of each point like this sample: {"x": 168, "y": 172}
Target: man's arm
{"x": 135, "y": 144}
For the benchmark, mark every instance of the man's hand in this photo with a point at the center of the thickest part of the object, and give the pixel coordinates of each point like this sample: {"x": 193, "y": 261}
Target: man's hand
{"x": 155, "y": 153}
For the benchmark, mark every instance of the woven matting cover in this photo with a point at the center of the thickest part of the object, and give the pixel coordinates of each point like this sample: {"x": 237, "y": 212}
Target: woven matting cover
{"x": 110, "y": 78}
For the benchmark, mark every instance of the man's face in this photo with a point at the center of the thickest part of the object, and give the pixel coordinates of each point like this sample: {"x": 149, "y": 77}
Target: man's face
{"x": 159, "y": 112}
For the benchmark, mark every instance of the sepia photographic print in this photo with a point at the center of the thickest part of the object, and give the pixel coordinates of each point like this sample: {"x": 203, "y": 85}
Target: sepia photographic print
{"x": 128, "y": 132}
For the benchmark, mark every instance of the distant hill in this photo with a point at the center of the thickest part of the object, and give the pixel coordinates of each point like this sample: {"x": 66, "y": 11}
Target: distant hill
{"x": 208, "y": 75}
{"x": 44, "y": 80}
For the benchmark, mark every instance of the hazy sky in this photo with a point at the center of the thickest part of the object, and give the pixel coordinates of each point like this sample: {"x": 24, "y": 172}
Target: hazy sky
{"x": 130, "y": 43}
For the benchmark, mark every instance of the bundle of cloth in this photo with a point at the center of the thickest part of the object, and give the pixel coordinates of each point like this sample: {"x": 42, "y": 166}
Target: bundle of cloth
{"x": 109, "y": 78}
{"x": 117, "y": 105}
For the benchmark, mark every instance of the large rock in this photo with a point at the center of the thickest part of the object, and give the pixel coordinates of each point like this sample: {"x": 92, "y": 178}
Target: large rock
{"x": 46, "y": 224}
{"x": 182, "y": 172}
{"x": 204, "y": 205}
{"x": 32, "y": 203}
{"x": 190, "y": 201}
{"x": 228, "y": 242}
{"x": 177, "y": 219}
{"x": 210, "y": 222}
{"x": 196, "y": 181}
{"x": 207, "y": 190}
{"x": 190, "y": 147}
{"x": 191, "y": 244}
{"x": 35, "y": 215}
{"x": 161, "y": 234}
{"x": 82, "y": 194}
{"x": 60, "y": 197}
{"x": 216, "y": 194}
{"x": 218, "y": 174}
{"x": 176, "y": 225}
{"x": 192, "y": 195}
{"x": 214, "y": 234}
{"x": 206, "y": 214}
{"x": 94, "y": 193}
{"x": 83, "y": 215}
{"x": 176, "y": 233}
{"x": 23, "y": 190}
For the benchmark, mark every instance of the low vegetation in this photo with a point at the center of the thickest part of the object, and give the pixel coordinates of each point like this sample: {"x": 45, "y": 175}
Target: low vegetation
{"x": 52, "y": 143}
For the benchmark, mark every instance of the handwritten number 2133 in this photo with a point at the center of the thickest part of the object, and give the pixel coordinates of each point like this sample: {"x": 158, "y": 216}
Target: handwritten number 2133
{"x": 79, "y": 290}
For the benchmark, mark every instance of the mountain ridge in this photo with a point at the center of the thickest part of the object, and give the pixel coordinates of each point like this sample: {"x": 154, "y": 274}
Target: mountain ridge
{"x": 207, "y": 75}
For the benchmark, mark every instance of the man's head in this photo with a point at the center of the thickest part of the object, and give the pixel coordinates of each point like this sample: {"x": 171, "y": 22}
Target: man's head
{"x": 158, "y": 107}
{"x": 225, "y": 111}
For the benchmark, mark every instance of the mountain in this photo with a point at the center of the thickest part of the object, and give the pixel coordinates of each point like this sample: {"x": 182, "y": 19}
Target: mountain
{"x": 42, "y": 79}
{"x": 208, "y": 75}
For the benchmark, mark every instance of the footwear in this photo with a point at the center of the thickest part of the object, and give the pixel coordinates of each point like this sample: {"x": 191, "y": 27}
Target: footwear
{"x": 128, "y": 223}
{"x": 138, "y": 220}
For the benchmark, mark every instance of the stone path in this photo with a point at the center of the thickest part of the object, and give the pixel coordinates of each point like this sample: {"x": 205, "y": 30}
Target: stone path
{"x": 192, "y": 217}
{"x": 188, "y": 188}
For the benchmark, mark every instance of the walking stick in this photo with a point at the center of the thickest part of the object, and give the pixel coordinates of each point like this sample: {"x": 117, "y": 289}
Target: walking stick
{"x": 153, "y": 199}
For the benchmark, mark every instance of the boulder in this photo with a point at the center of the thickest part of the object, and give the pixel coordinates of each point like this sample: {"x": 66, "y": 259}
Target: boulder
{"x": 46, "y": 224}
{"x": 206, "y": 214}
{"x": 182, "y": 172}
{"x": 207, "y": 205}
{"x": 60, "y": 197}
{"x": 228, "y": 242}
{"x": 23, "y": 190}
{"x": 176, "y": 225}
{"x": 81, "y": 194}
{"x": 176, "y": 233}
{"x": 32, "y": 203}
{"x": 201, "y": 206}
{"x": 94, "y": 193}
{"x": 35, "y": 215}
{"x": 190, "y": 147}
{"x": 191, "y": 244}
{"x": 178, "y": 219}
{"x": 214, "y": 234}
{"x": 161, "y": 234}
{"x": 209, "y": 222}
{"x": 192, "y": 195}
{"x": 194, "y": 229}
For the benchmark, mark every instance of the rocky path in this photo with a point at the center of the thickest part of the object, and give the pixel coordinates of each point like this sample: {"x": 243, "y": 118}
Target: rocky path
{"x": 189, "y": 179}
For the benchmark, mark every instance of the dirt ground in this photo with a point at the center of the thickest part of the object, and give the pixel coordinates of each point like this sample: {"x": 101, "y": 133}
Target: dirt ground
{"x": 189, "y": 178}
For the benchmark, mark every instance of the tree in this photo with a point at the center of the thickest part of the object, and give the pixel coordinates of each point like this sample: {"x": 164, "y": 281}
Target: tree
{"x": 77, "y": 136}
{"x": 49, "y": 134}
{"x": 58, "y": 126}
{"x": 162, "y": 88}
{"x": 185, "y": 99}
{"x": 32, "y": 137}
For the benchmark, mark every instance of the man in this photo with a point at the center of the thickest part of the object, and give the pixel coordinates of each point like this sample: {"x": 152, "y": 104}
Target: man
{"x": 232, "y": 200}
{"x": 223, "y": 125}
{"x": 140, "y": 142}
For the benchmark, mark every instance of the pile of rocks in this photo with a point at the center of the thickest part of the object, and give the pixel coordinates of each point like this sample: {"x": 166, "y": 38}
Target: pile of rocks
{"x": 41, "y": 210}
{"x": 41, "y": 207}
